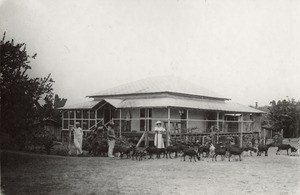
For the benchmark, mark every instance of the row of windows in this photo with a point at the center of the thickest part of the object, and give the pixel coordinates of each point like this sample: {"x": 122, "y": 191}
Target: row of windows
{"x": 85, "y": 114}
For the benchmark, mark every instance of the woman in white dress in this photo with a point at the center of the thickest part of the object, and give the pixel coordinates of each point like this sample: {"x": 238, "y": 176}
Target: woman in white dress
{"x": 78, "y": 136}
{"x": 158, "y": 139}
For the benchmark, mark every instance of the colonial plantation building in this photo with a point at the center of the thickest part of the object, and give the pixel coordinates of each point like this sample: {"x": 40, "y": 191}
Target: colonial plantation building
{"x": 185, "y": 108}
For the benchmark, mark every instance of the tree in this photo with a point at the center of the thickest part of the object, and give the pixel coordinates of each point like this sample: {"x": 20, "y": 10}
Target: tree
{"x": 58, "y": 102}
{"x": 19, "y": 93}
{"x": 48, "y": 109}
{"x": 285, "y": 114}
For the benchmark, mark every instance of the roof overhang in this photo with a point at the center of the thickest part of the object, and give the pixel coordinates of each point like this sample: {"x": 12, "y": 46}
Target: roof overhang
{"x": 92, "y": 104}
{"x": 189, "y": 103}
{"x": 165, "y": 102}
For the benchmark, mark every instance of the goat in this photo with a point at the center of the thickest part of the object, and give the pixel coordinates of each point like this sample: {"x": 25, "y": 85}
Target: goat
{"x": 219, "y": 150}
{"x": 171, "y": 149}
{"x": 191, "y": 153}
{"x": 122, "y": 149}
{"x": 202, "y": 149}
{"x": 263, "y": 148}
{"x": 154, "y": 150}
{"x": 233, "y": 150}
{"x": 138, "y": 153}
{"x": 284, "y": 147}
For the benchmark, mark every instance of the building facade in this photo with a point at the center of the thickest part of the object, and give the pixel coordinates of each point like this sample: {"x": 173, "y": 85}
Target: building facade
{"x": 183, "y": 107}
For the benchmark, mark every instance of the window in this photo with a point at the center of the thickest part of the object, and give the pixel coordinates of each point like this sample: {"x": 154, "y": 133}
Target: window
{"x": 142, "y": 125}
{"x": 65, "y": 114}
{"x": 143, "y": 113}
{"x": 71, "y": 122}
{"x": 72, "y": 114}
{"x": 78, "y": 114}
{"x": 85, "y": 114}
{"x": 65, "y": 124}
{"x": 92, "y": 114}
{"x": 145, "y": 122}
{"x": 100, "y": 114}
{"x": 150, "y": 113}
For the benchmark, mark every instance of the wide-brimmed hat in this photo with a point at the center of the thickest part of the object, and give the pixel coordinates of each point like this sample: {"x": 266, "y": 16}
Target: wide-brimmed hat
{"x": 158, "y": 122}
{"x": 77, "y": 123}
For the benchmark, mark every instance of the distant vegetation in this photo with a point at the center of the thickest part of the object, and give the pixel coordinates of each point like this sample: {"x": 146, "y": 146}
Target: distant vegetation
{"x": 283, "y": 114}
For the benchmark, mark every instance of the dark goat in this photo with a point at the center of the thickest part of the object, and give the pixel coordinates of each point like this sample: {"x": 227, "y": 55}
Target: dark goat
{"x": 138, "y": 153}
{"x": 172, "y": 149}
{"x": 202, "y": 149}
{"x": 263, "y": 148}
{"x": 191, "y": 153}
{"x": 157, "y": 151}
{"x": 182, "y": 146}
{"x": 233, "y": 150}
{"x": 219, "y": 150}
{"x": 284, "y": 147}
{"x": 122, "y": 149}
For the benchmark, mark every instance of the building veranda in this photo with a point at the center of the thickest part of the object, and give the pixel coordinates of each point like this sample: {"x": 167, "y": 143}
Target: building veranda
{"x": 188, "y": 111}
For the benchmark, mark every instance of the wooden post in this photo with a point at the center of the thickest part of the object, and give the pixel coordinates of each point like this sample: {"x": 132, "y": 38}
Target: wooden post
{"x": 62, "y": 126}
{"x": 69, "y": 139}
{"x": 147, "y": 138}
{"x": 141, "y": 139}
{"x": 169, "y": 127}
{"x": 218, "y": 126}
{"x": 120, "y": 123}
{"x": 264, "y": 136}
{"x": 218, "y": 116}
{"x": 242, "y": 129}
{"x": 187, "y": 118}
{"x": 147, "y": 128}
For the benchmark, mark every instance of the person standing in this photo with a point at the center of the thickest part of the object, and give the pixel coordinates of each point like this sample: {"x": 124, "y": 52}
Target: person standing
{"x": 158, "y": 139}
{"x": 111, "y": 139}
{"x": 78, "y": 136}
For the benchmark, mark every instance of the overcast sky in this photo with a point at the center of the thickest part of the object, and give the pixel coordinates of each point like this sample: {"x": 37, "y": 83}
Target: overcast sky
{"x": 246, "y": 50}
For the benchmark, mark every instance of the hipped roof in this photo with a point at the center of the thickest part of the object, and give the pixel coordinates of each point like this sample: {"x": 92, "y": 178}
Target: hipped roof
{"x": 154, "y": 85}
{"x": 164, "y": 102}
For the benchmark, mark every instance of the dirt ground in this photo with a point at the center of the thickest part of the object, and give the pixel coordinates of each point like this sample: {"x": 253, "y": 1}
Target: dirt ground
{"x": 24, "y": 173}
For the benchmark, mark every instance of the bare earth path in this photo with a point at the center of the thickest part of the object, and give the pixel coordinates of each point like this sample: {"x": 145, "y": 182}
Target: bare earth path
{"x": 23, "y": 173}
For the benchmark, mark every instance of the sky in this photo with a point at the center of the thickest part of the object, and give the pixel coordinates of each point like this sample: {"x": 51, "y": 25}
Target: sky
{"x": 247, "y": 50}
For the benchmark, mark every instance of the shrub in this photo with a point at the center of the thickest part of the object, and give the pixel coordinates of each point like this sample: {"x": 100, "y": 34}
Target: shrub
{"x": 45, "y": 139}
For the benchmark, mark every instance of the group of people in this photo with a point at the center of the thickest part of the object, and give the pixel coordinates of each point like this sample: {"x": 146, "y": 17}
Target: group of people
{"x": 111, "y": 138}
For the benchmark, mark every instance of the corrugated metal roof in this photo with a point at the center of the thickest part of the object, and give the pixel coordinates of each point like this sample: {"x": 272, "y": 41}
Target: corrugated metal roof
{"x": 83, "y": 105}
{"x": 188, "y": 103}
{"x": 114, "y": 102}
{"x": 202, "y": 104}
{"x": 158, "y": 85}
{"x": 91, "y": 104}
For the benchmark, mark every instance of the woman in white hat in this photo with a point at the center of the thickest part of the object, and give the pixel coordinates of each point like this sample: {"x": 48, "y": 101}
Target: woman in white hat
{"x": 78, "y": 135}
{"x": 158, "y": 139}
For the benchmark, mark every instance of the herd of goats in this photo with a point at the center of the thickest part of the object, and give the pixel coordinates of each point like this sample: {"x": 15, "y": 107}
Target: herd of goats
{"x": 195, "y": 150}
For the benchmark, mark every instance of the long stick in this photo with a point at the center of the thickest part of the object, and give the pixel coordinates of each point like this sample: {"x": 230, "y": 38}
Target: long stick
{"x": 137, "y": 145}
